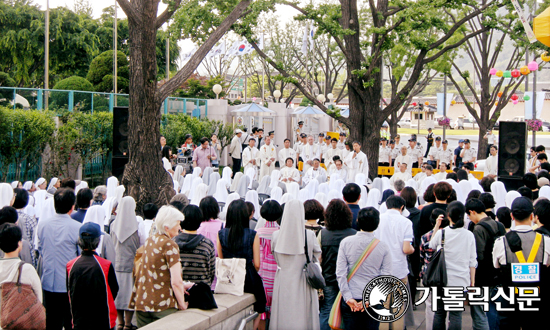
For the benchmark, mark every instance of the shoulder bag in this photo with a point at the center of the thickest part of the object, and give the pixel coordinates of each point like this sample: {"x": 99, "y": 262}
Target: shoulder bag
{"x": 335, "y": 318}
{"x": 21, "y": 308}
{"x": 230, "y": 274}
{"x": 436, "y": 271}
{"x": 314, "y": 277}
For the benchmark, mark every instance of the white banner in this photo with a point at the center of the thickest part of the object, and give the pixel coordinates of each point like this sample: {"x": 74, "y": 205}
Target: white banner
{"x": 528, "y": 30}
{"x": 440, "y": 97}
{"x": 529, "y": 105}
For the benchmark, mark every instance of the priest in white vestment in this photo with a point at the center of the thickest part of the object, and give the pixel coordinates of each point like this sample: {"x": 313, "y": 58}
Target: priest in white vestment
{"x": 491, "y": 163}
{"x": 402, "y": 174}
{"x": 250, "y": 156}
{"x": 286, "y": 152}
{"x": 315, "y": 173}
{"x": 266, "y": 158}
{"x": 289, "y": 173}
{"x": 310, "y": 151}
{"x": 356, "y": 162}
{"x": 338, "y": 168}
{"x": 403, "y": 158}
{"x": 331, "y": 152}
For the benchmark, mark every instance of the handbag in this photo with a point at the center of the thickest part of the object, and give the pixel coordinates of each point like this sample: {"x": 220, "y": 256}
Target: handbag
{"x": 335, "y": 318}
{"x": 21, "y": 309}
{"x": 200, "y": 296}
{"x": 230, "y": 274}
{"x": 314, "y": 276}
{"x": 436, "y": 271}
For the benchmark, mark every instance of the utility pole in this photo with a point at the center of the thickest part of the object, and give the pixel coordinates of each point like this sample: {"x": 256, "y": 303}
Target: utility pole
{"x": 47, "y": 54}
{"x": 534, "y": 116}
{"x": 167, "y": 52}
{"x": 115, "y": 53}
{"x": 445, "y": 102}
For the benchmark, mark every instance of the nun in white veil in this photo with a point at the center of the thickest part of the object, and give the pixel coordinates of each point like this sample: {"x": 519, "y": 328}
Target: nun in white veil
{"x": 374, "y": 198}
{"x": 226, "y": 175}
{"x": 264, "y": 188}
{"x": 303, "y": 195}
{"x": 274, "y": 181}
{"x": 322, "y": 198}
{"x": 6, "y": 195}
{"x": 360, "y": 179}
{"x": 377, "y": 184}
{"x": 230, "y": 198}
{"x": 293, "y": 188}
{"x": 324, "y": 188}
{"x": 252, "y": 197}
{"x": 187, "y": 181}
{"x": 39, "y": 182}
{"x": 199, "y": 194}
{"x": 213, "y": 185}
{"x": 459, "y": 195}
{"x": 499, "y": 193}
{"x": 277, "y": 194}
{"x": 106, "y": 248}
{"x": 194, "y": 184}
{"x": 312, "y": 187}
{"x": 51, "y": 187}
{"x": 544, "y": 192}
{"x": 110, "y": 198}
{"x": 178, "y": 175}
{"x": 510, "y": 197}
{"x": 364, "y": 197}
{"x": 287, "y": 198}
{"x": 466, "y": 187}
{"x": 475, "y": 185}
{"x": 119, "y": 193}
{"x": 334, "y": 194}
{"x": 251, "y": 174}
{"x": 242, "y": 188}
{"x": 197, "y": 172}
{"x": 221, "y": 191}
{"x": 412, "y": 183}
{"x": 295, "y": 304}
{"x": 236, "y": 180}
{"x": 39, "y": 199}
{"x": 206, "y": 175}
{"x": 15, "y": 184}
{"x": 385, "y": 184}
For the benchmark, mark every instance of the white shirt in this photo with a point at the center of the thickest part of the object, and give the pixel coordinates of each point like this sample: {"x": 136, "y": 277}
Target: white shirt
{"x": 440, "y": 176}
{"x": 313, "y": 174}
{"x": 434, "y": 152}
{"x": 144, "y": 229}
{"x": 236, "y": 148}
{"x": 342, "y": 173}
{"x": 491, "y": 139}
{"x": 395, "y": 152}
{"x": 469, "y": 155}
{"x": 248, "y": 155}
{"x": 460, "y": 254}
{"x": 290, "y": 172}
{"x": 403, "y": 160}
{"x": 298, "y": 146}
{"x": 357, "y": 165}
{"x": 499, "y": 253}
{"x": 415, "y": 153}
{"x": 286, "y": 153}
{"x": 491, "y": 165}
{"x": 384, "y": 154}
{"x": 309, "y": 152}
{"x": 400, "y": 176}
{"x": 394, "y": 229}
{"x": 341, "y": 145}
{"x": 166, "y": 164}
{"x": 445, "y": 156}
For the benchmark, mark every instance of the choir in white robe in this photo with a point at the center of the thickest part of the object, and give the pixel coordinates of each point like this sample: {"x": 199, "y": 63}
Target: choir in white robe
{"x": 356, "y": 165}
{"x": 309, "y": 153}
{"x": 319, "y": 174}
{"x": 267, "y": 158}
{"x": 250, "y": 155}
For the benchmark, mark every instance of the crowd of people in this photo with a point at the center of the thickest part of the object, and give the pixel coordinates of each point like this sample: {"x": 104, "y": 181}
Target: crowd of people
{"x": 88, "y": 250}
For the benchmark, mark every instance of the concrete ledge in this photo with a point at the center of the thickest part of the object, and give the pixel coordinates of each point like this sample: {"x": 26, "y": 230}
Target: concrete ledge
{"x": 231, "y": 310}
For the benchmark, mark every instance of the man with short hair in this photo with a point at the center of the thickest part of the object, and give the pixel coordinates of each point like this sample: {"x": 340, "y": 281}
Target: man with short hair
{"x": 299, "y": 130}
{"x": 468, "y": 154}
{"x": 403, "y": 158}
{"x": 298, "y": 147}
{"x": 266, "y": 158}
{"x": 403, "y": 175}
{"x": 430, "y": 141}
{"x": 444, "y": 155}
{"x": 289, "y": 173}
{"x": 287, "y": 152}
{"x": 530, "y": 247}
{"x": 205, "y": 154}
{"x": 397, "y": 232}
{"x": 84, "y": 199}
{"x": 468, "y": 167}
{"x": 442, "y": 190}
{"x": 250, "y": 154}
{"x": 394, "y": 152}
{"x": 357, "y": 162}
{"x": 433, "y": 152}
{"x": 428, "y": 172}
{"x": 325, "y": 147}
{"x": 442, "y": 175}
{"x": 260, "y": 137}
{"x": 310, "y": 151}
{"x": 235, "y": 150}
{"x": 342, "y": 142}
{"x": 384, "y": 156}
{"x": 352, "y": 195}
{"x": 457, "y": 161}
{"x": 339, "y": 169}
{"x": 378, "y": 263}
{"x": 57, "y": 244}
{"x": 422, "y": 175}
{"x": 491, "y": 163}
{"x": 330, "y": 153}
{"x": 315, "y": 173}
{"x": 415, "y": 152}
{"x": 491, "y": 140}
{"x": 91, "y": 284}
{"x": 485, "y": 231}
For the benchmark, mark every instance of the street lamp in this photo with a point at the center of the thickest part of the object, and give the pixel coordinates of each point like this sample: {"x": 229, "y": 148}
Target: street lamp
{"x": 330, "y": 96}
{"x": 276, "y": 95}
{"x": 321, "y": 98}
{"x": 217, "y": 88}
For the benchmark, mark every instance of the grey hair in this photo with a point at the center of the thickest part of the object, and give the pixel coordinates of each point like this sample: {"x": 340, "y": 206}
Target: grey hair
{"x": 168, "y": 217}
{"x": 399, "y": 185}
{"x": 100, "y": 193}
{"x": 180, "y": 198}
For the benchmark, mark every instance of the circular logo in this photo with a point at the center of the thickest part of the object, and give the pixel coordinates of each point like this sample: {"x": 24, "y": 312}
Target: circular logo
{"x": 386, "y": 298}
{"x": 241, "y": 48}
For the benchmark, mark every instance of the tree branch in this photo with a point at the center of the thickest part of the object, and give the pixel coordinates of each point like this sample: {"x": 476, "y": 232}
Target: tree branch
{"x": 168, "y": 12}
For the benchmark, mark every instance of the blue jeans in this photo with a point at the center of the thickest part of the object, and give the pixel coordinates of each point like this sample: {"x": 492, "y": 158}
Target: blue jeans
{"x": 440, "y": 316}
{"x": 357, "y": 320}
{"x": 325, "y": 305}
{"x": 479, "y": 319}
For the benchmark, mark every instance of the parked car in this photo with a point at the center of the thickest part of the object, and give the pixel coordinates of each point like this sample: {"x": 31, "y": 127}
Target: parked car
{"x": 465, "y": 123}
{"x": 404, "y": 123}
{"x": 545, "y": 126}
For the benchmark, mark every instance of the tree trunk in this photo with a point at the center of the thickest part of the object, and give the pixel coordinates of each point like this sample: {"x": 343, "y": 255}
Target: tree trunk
{"x": 144, "y": 176}
{"x": 483, "y": 143}
{"x": 392, "y": 121}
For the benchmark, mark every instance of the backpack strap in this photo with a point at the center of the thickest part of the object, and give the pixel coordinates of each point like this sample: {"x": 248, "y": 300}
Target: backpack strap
{"x": 21, "y": 264}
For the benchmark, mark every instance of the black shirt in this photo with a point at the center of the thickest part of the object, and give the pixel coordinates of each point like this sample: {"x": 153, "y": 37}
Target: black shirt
{"x": 330, "y": 243}
{"x": 425, "y": 225}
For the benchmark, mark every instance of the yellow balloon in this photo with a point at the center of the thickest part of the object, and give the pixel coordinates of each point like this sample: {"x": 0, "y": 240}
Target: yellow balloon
{"x": 453, "y": 102}
{"x": 499, "y": 73}
{"x": 545, "y": 57}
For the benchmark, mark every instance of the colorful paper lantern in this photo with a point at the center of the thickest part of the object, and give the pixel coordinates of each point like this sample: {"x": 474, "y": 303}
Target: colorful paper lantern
{"x": 499, "y": 94}
{"x": 526, "y": 97}
{"x": 499, "y": 73}
{"x": 426, "y": 103}
{"x": 414, "y": 104}
{"x": 524, "y": 70}
{"x": 545, "y": 57}
{"x": 507, "y": 74}
{"x": 496, "y": 103}
{"x": 515, "y": 101}
{"x": 515, "y": 73}
{"x": 514, "y": 97}
{"x": 493, "y": 71}
{"x": 453, "y": 102}
{"x": 533, "y": 66}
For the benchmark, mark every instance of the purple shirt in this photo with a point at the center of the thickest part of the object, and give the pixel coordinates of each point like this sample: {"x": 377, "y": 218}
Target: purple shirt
{"x": 200, "y": 154}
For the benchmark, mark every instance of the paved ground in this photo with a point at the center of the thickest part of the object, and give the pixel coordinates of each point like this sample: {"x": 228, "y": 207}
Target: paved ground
{"x": 420, "y": 318}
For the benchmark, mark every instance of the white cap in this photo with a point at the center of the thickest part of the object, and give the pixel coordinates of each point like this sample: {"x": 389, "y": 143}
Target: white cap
{"x": 237, "y": 131}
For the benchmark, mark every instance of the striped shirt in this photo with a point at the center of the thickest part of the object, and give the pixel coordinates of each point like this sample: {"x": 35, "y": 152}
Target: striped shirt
{"x": 268, "y": 265}
{"x": 197, "y": 257}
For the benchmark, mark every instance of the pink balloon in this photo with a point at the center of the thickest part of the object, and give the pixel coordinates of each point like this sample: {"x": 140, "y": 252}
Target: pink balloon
{"x": 493, "y": 71}
{"x": 515, "y": 101}
{"x": 533, "y": 66}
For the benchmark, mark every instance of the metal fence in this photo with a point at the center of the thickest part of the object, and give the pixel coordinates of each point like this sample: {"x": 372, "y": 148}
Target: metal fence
{"x": 53, "y": 99}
